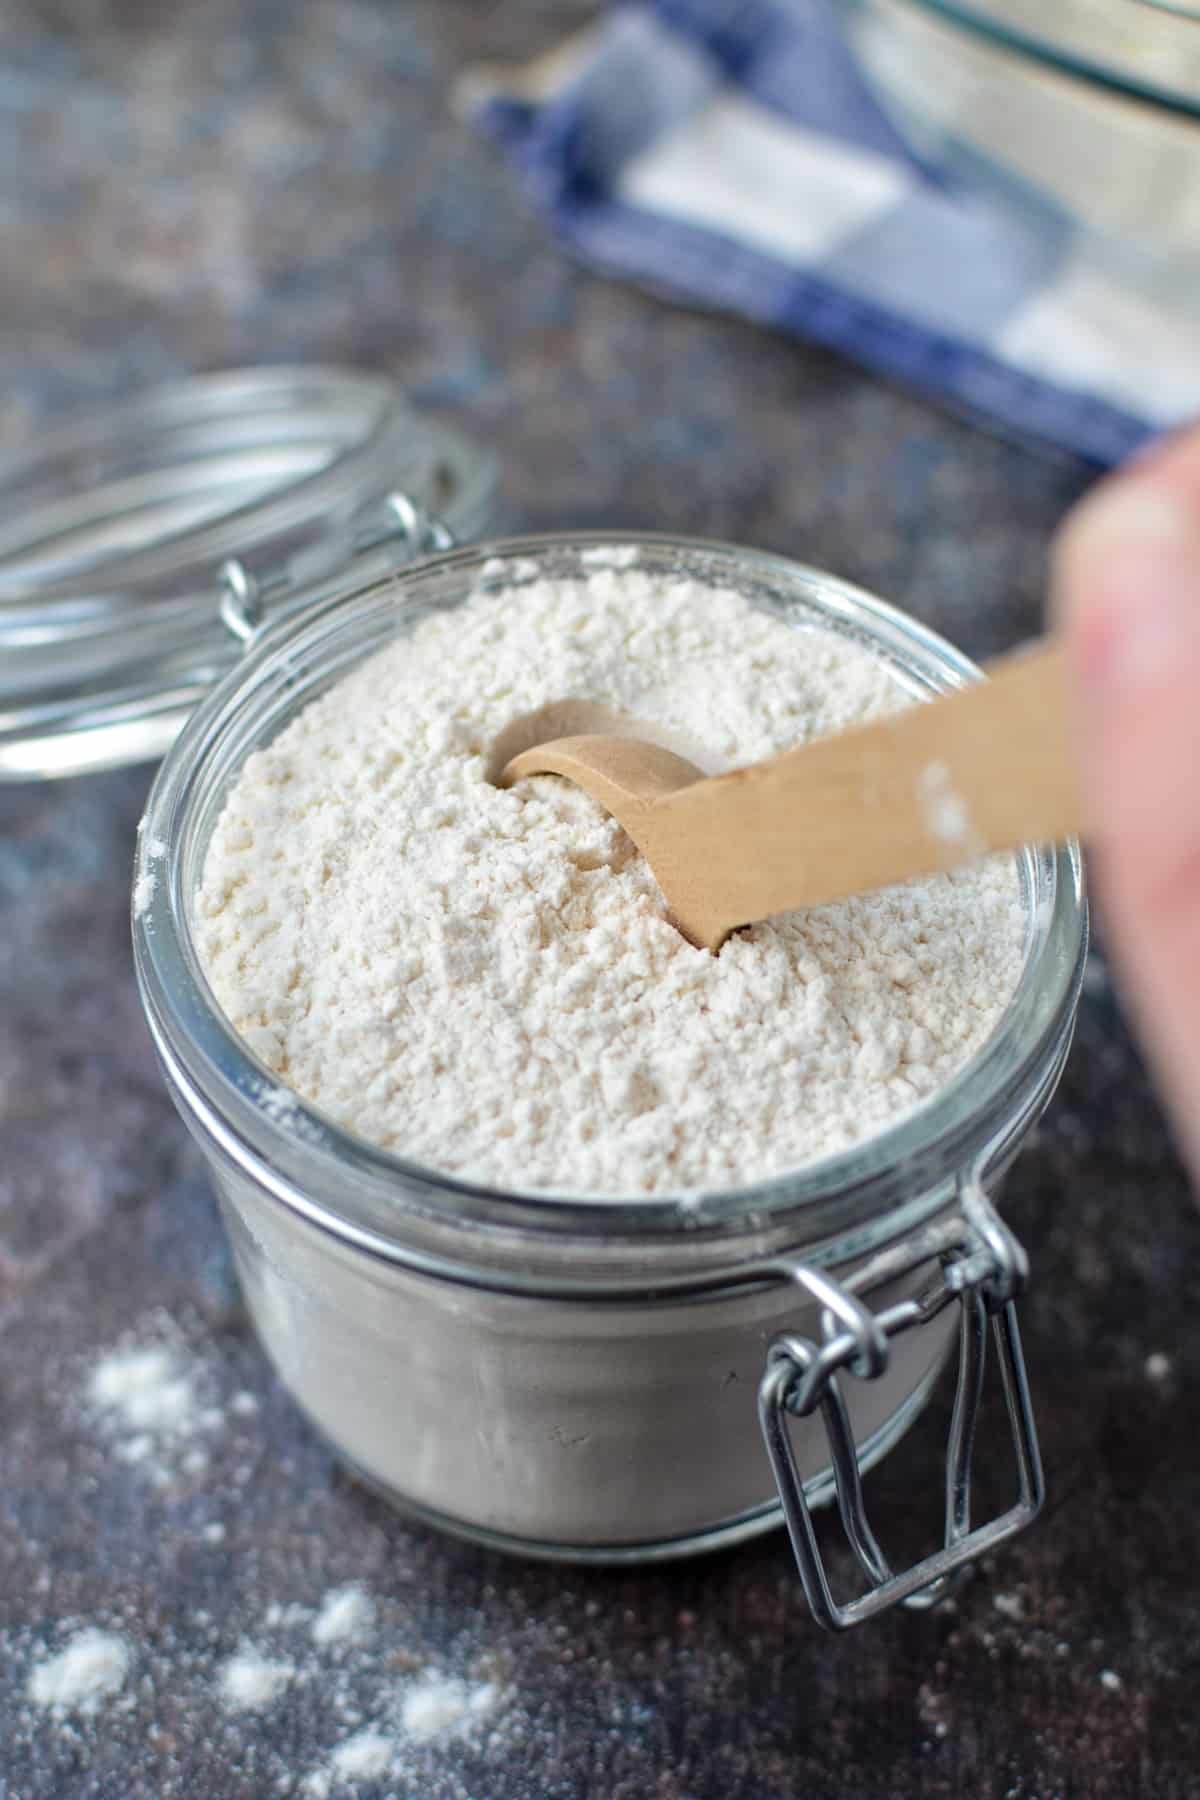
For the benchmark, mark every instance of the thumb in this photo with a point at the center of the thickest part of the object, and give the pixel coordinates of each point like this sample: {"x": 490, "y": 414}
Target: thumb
{"x": 1127, "y": 597}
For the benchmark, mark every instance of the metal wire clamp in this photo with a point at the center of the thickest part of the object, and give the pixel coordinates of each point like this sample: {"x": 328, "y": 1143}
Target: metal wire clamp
{"x": 398, "y": 525}
{"x": 981, "y": 1273}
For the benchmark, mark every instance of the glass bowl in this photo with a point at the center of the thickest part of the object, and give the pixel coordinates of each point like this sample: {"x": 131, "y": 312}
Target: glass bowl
{"x": 1082, "y": 116}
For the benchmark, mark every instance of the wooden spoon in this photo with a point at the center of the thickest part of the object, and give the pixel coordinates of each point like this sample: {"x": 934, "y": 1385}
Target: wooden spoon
{"x": 987, "y": 767}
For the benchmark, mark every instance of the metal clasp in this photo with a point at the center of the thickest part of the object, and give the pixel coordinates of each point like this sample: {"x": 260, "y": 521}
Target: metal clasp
{"x": 399, "y": 523}
{"x": 981, "y": 1272}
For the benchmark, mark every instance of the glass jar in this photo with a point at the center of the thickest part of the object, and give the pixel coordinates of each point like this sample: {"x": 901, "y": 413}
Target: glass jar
{"x": 540, "y": 1371}
{"x": 580, "y": 1378}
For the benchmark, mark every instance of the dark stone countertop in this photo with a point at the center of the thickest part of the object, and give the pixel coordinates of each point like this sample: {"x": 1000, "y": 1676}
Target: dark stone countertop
{"x": 189, "y": 187}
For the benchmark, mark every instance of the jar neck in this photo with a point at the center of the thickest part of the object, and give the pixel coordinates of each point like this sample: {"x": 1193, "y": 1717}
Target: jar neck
{"x": 398, "y": 1210}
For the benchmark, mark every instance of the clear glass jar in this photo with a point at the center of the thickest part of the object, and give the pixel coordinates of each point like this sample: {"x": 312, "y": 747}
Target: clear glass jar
{"x": 588, "y": 1379}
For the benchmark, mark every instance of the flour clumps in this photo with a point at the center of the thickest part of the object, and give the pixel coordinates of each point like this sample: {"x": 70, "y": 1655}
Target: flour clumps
{"x": 250, "y": 1681}
{"x": 442, "y": 1706}
{"x": 152, "y": 1400}
{"x": 144, "y": 1386}
{"x": 485, "y": 981}
{"x": 89, "y": 1669}
{"x": 345, "y": 1615}
{"x": 367, "y": 1756}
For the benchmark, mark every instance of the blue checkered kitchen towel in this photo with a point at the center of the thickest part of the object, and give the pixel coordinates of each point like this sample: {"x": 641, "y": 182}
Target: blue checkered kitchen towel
{"x": 728, "y": 152}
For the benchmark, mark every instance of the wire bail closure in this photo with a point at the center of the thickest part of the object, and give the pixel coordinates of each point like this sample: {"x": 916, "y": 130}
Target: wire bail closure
{"x": 399, "y": 524}
{"x": 982, "y": 1272}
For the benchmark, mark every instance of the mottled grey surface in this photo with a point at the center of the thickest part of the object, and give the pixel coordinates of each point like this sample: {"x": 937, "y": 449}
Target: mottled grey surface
{"x": 197, "y": 186}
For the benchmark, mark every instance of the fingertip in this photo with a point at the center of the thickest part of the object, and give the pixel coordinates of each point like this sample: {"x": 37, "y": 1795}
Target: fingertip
{"x": 1125, "y": 587}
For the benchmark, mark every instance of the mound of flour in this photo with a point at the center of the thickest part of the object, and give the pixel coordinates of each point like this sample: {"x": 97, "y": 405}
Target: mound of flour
{"x": 485, "y": 981}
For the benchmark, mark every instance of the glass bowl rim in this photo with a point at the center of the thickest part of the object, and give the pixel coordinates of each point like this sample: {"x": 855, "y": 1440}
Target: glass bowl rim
{"x": 1052, "y": 47}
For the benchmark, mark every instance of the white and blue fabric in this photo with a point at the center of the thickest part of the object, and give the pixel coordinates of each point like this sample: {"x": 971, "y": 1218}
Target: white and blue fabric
{"x": 728, "y": 152}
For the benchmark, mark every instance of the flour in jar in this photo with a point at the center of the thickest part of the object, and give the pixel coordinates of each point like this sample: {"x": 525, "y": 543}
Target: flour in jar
{"x": 485, "y": 981}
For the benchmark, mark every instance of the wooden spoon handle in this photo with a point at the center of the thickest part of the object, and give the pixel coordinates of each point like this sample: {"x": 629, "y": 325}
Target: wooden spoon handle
{"x": 985, "y": 768}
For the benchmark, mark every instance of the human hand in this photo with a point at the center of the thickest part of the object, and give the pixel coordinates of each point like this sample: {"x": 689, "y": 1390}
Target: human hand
{"x": 1126, "y": 593}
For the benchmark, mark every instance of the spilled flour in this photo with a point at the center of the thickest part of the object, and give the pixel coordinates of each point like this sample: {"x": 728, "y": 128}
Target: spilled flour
{"x": 149, "y": 1398}
{"x": 485, "y": 981}
{"x": 435, "y": 1708}
{"x": 348, "y": 1662}
{"x": 145, "y": 1386}
{"x": 250, "y": 1681}
{"x": 381, "y": 1727}
{"x": 89, "y": 1670}
{"x": 439, "y": 1705}
{"x": 346, "y": 1615}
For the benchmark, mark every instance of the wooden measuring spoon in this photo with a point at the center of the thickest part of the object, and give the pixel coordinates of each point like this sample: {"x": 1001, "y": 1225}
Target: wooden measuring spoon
{"x": 987, "y": 767}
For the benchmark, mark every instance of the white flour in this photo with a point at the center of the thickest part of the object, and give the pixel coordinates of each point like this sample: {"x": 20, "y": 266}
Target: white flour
{"x": 402, "y": 1731}
{"x": 485, "y": 981}
{"x": 145, "y": 1387}
{"x": 356, "y": 1657}
{"x": 151, "y": 1399}
{"x": 250, "y": 1681}
{"x": 364, "y": 1757}
{"x": 88, "y": 1670}
{"x": 440, "y": 1705}
{"x": 346, "y": 1614}
{"x": 435, "y": 1709}
{"x": 946, "y": 812}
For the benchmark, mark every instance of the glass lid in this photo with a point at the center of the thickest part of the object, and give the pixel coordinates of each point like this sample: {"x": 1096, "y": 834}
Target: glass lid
{"x": 1149, "y": 48}
{"x": 114, "y": 528}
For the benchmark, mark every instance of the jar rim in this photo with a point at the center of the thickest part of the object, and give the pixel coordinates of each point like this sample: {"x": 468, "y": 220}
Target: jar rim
{"x": 369, "y": 1196}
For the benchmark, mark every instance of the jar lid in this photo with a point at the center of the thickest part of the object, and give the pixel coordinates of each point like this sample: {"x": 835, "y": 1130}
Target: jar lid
{"x": 115, "y": 529}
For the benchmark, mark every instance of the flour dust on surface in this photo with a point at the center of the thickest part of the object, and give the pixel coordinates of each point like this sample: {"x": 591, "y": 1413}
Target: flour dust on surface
{"x": 345, "y": 1653}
